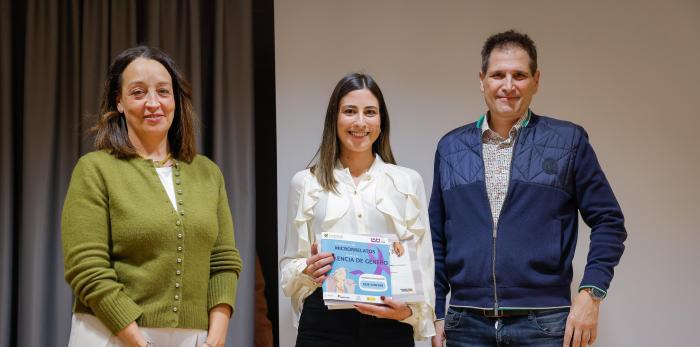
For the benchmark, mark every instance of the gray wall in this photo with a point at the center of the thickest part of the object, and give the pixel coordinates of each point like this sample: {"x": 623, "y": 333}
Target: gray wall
{"x": 627, "y": 71}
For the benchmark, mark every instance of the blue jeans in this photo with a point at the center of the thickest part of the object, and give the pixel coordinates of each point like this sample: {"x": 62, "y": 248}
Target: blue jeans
{"x": 541, "y": 328}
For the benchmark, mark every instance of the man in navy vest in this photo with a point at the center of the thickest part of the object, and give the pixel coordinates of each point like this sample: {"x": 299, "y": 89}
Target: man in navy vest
{"x": 507, "y": 191}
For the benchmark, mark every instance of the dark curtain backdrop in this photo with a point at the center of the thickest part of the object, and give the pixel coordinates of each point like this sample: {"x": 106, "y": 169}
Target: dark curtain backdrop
{"x": 54, "y": 55}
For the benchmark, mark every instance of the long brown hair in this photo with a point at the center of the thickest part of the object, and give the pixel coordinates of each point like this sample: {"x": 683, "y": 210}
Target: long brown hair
{"x": 111, "y": 133}
{"x": 329, "y": 151}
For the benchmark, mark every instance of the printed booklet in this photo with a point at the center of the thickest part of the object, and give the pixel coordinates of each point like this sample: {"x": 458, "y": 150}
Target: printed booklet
{"x": 367, "y": 267}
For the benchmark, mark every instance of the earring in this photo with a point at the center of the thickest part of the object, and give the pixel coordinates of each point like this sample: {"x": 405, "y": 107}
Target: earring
{"x": 120, "y": 108}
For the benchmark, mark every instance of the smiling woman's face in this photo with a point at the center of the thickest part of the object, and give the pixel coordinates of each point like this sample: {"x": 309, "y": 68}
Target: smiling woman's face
{"x": 146, "y": 99}
{"x": 359, "y": 121}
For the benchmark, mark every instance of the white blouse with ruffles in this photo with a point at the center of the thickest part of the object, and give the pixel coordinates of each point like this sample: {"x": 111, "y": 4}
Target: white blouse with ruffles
{"x": 391, "y": 198}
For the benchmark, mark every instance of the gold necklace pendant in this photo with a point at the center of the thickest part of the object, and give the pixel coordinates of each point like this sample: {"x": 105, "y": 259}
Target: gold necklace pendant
{"x": 161, "y": 162}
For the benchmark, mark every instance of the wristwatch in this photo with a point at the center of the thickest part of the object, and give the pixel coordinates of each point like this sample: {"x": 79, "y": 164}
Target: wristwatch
{"x": 595, "y": 293}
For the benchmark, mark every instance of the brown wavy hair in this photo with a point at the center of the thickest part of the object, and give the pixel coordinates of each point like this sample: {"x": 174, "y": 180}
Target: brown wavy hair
{"x": 329, "y": 151}
{"x": 111, "y": 133}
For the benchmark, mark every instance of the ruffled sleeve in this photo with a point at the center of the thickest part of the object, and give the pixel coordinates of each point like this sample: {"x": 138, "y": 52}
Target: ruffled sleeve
{"x": 303, "y": 196}
{"x": 411, "y": 222}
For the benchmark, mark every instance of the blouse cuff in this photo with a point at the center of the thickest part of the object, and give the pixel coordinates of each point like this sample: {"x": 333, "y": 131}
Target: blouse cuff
{"x": 413, "y": 318}
{"x": 300, "y": 266}
{"x": 421, "y": 319}
{"x": 293, "y": 273}
{"x": 296, "y": 284}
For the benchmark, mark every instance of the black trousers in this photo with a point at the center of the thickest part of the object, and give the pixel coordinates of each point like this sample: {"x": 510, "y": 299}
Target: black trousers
{"x": 321, "y": 327}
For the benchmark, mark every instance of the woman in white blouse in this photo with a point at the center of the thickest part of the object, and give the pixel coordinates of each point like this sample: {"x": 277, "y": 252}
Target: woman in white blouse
{"x": 355, "y": 187}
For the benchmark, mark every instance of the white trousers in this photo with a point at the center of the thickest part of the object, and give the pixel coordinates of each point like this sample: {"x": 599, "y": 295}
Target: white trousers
{"x": 88, "y": 331}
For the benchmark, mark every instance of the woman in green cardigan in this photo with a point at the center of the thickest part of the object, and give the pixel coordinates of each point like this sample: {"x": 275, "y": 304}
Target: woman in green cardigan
{"x": 147, "y": 232}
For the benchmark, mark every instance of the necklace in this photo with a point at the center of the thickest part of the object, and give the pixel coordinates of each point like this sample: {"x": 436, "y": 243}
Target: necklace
{"x": 162, "y": 162}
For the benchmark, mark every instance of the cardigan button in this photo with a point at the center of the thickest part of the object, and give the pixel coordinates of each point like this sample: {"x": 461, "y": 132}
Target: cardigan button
{"x": 177, "y": 297}
{"x": 177, "y": 181}
{"x": 179, "y": 248}
{"x": 179, "y": 191}
{"x": 179, "y": 236}
{"x": 177, "y": 285}
{"x": 174, "y": 309}
{"x": 182, "y": 213}
{"x": 179, "y": 260}
{"x": 180, "y": 202}
{"x": 178, "y": 272}
{"x": 178, "y": 222}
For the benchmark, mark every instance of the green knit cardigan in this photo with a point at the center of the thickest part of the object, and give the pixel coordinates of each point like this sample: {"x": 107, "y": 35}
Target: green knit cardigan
{"x": 129, "y": 256}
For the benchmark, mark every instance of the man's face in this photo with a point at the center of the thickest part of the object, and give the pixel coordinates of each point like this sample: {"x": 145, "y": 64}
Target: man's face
{"x": 508, "y": 85}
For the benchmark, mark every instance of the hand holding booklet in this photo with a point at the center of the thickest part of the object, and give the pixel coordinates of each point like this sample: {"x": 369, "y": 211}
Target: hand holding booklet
{"x": 367, "y": 267}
